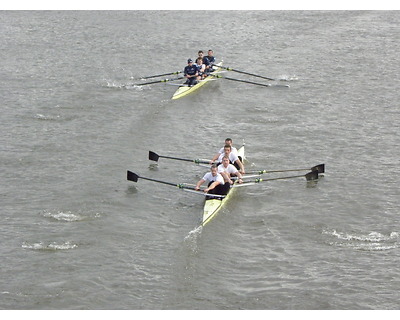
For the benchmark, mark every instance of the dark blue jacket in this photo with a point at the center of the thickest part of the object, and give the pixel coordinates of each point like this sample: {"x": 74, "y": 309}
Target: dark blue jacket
{"x": 210, "y": 60}
{"x": 190, "y": 70}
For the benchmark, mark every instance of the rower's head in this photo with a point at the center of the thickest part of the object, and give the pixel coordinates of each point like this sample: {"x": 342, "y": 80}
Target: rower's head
{"x": 228, "y": 141}
{"x": 214, "y": 170}
{"x": 225, "y": 161}
{"x": 210, "y": 53}
{"x": 200, "y": 53}
{"x": 190, "y": 61}
{"x": 199, "y": 60}
{"x": 227, "y": 149}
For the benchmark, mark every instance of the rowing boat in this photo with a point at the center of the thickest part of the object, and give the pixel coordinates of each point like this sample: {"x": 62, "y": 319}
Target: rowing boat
{"x": 214, "y": 202}
{"x": 184, "y": 90}
{"x": 213, "y": 205}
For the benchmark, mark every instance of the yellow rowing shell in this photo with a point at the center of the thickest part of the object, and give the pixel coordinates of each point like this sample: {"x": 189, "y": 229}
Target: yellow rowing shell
{"x": 214, "y": 205}
{"x": 185, "y": 90}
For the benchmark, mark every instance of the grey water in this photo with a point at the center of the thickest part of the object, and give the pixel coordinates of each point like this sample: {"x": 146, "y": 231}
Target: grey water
{"x": 75, "y": 234}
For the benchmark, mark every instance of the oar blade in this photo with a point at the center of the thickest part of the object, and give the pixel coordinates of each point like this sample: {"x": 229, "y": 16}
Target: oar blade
{"x": 153, "y": 156}
{"x": 319, "y": 168}
{"x": 131, "y": 176}
{"x": 313, "y": 175}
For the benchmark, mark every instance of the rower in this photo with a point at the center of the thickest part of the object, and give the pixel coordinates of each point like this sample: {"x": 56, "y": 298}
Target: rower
{"x": 228, "y": 141}
{"x": 201, "y": 55}
{"x": 201, "y": 67}
{"x": 233, "y": 158}
{"x": 216, "y": 183}
{"x": 191, "y": 73}
{"x": 209, "y": 61}
{"x": 228, "y": 170}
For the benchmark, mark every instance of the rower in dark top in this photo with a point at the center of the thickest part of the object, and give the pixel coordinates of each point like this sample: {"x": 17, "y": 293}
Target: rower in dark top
{"x": 191, "y": 73}
{"x": 209, "y": 60}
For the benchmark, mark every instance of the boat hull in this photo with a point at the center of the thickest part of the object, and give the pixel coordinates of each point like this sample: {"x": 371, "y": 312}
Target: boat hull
{"x": 214, "y": 205}
{"x": 185, "y": 90}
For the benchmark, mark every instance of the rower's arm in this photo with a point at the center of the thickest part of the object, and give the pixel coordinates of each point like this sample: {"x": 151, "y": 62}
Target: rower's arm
{"x": 212, "y": 186}
{"x": 201, "y": 181}
{"x": 215, "y": 158}
{"x": 241, "y": 166}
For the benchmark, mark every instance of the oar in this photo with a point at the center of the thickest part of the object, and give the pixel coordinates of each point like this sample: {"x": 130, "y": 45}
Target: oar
{"x": 201, "y": 193}
{"x": 313, "y": 175}
{"x": 154, "y": 157}
{"x": 162, "y": 75}
{"x": 319, "y": 168}
{"x": 243, "y": 72}
{"x": 131, "y": 176}
{"x": 256, "y": 83}
{"x": 158, "y": 81}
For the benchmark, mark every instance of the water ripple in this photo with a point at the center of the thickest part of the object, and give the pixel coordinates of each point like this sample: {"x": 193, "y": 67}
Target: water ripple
{"x": 373, "y": 241}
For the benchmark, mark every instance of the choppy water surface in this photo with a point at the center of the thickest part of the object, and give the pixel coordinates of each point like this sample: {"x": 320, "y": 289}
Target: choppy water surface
{"x": 75, "y": 234}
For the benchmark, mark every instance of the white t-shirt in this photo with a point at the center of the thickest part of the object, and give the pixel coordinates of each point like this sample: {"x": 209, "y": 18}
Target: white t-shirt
{"x": 233, "y": 150}
{"x": 232, "y": 157}
{"x": 209, "y": 177}
{"x": 230, "y": 169}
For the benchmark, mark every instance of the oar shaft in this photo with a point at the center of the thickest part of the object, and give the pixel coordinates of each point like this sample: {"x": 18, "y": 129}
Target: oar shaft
{"x": 154, "y": 156}
{"x": 247, "y": 73}
{"x": 160, "y": 181}
{"x": 319, "y": 168}
{"x": 313, "y": 175}
{"x": 180, "y": 159}
{"x": 274, "y": 171}
{"x": 206, "y": 194}
{"x": 162, "y": 75}
{"x": 135, "y": 177}
{"x": 153, "y": 82}
{"x": 245, "y": 81}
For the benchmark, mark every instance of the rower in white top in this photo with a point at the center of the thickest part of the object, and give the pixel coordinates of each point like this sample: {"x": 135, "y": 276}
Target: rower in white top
{"x": 228, "y": 171}
{"x": 228, "y": 141}
{"x": 216, "y": 183}
{"x": 233, "y": 158}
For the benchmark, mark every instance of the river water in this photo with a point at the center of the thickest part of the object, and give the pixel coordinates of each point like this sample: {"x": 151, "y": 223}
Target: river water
{"x": 75, "y": 234}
